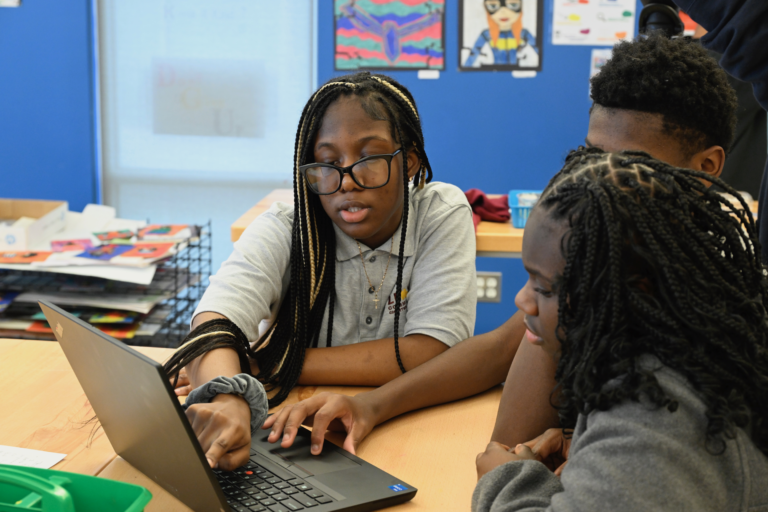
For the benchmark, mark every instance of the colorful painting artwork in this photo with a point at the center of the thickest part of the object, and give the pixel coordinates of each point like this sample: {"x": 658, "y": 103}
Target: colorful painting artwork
{"x": 105, "y": 252}
{"x": 40, "y": 326}
{"x": 109, "y": 236}
{"x": 24, "y": 256}
{"x": 162, "y": 230}
{"x": 6, "y": 298}
{"x": 148, "y": 250}
{"x": 113, "y": 317}
{"x": 122, "y": 333}
{"x": 389, "y": 34}
{"x": 500, "y": 35}
{"x": 41, "y": 316}
{"x": 71, "y": 245}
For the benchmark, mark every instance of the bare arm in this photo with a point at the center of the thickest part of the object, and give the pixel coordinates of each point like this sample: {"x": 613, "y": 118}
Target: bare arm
{"x": 525, "y": 411}
{"x": 471, "y": 367}
{"x": 371, "y": 363}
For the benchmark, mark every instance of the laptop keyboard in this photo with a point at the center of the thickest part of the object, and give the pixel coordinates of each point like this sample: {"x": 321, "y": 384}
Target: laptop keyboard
{"x": 252, "y": 488}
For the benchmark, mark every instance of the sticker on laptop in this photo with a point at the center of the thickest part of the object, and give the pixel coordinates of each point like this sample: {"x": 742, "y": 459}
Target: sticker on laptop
{"x": 398, "y": 487}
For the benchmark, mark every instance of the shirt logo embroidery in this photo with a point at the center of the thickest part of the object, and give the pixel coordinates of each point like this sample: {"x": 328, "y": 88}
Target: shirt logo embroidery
{"x": 403, "y": 302}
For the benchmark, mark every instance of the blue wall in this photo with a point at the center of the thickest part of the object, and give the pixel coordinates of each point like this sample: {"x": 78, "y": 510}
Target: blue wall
{"x": 484, "y": 130}
{"x": 491, "y": 131}
{"x": 47, "y": 135}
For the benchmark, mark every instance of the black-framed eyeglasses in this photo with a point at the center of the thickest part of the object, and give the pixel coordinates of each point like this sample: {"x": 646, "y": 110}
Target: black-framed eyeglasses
{"x": 494, "y": 5}
{"x": 369, "y": 172}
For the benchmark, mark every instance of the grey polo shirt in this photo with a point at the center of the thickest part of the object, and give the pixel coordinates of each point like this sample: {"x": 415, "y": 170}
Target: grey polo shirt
{"x": 438, "y": 272}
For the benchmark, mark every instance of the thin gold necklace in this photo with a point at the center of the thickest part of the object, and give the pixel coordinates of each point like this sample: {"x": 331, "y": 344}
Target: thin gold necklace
{"x": 376, "y": 292}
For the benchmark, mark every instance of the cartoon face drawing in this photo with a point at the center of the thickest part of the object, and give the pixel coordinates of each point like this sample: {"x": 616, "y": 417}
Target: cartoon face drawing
{"x": 504, "y": 12}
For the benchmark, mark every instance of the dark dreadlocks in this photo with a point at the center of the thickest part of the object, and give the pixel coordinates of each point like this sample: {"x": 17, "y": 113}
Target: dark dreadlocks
{"x": 657, "y": 263}
{"x": 280, "y": 351}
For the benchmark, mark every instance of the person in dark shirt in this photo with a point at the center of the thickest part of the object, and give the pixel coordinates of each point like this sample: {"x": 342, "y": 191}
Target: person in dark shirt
{"x": 738, "y": 29}
{"x": 744, "y": 166}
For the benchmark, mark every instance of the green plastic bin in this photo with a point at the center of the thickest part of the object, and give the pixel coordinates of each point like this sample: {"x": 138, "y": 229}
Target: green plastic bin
{"x": 45, "y": 490}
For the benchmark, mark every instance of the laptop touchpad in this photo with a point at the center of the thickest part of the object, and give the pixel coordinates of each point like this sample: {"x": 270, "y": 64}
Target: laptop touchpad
{"x": 327, "y": 462}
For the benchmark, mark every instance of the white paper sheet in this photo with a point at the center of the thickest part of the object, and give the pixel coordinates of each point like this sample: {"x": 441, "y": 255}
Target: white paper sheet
{"x": 16, "y": 325}
{"x": 147, "y": 329}
{"x": 593, "y": 22}
{"x": 136, "y": 275}
{"x": 14, "y": 456}
{"x": 138, "y": 303}
{"x": 95, "y": 218}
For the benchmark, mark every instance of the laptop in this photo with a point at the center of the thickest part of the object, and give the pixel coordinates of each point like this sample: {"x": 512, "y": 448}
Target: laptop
{"x": 147, "y": 426}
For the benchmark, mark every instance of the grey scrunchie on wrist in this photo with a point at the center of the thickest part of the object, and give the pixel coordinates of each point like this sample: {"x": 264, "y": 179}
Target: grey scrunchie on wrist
{"x": 241, "y": 384}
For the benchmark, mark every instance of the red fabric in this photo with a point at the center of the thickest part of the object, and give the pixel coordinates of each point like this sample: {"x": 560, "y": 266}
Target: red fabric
{"x": 485, "y": 208}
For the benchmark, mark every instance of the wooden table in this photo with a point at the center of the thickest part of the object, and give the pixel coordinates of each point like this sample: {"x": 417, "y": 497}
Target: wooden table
{"x": 44, "y": 408}
{"x": 494, "y": 239}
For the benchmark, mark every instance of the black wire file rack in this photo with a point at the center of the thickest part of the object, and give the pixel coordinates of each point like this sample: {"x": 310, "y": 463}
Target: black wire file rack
{"x": 189, "y": 271}
{"x": 176, "y": 289}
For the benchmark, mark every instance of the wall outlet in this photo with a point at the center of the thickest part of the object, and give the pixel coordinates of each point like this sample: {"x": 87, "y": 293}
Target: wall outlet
{"x": 489, "y": 287}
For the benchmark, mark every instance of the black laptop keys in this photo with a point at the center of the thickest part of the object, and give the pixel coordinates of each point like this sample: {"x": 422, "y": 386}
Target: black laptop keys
{"x": 252, "y": 488}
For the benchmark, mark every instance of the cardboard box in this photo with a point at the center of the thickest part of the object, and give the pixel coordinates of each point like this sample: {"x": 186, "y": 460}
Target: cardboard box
{"x": 50, "y": 218}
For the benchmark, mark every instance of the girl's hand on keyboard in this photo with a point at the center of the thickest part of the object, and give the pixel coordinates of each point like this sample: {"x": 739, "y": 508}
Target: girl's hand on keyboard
{"x": 326, "y": 411}
{"x": 223, "y": 428}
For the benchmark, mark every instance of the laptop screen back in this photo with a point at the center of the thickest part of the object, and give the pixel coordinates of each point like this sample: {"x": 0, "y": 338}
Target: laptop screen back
{"x": 135, "y": 405}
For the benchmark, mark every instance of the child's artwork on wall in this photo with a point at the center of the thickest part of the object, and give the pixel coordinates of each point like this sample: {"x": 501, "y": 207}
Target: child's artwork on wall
{"x": 600, "y": 56}
{"x": 500, "y": 35}
{"x": 389, "y": 34}
{"x": 593, "y": 22}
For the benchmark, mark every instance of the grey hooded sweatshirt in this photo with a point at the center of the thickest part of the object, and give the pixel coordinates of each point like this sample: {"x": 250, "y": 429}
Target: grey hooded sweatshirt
{"x": 637, "y": 457}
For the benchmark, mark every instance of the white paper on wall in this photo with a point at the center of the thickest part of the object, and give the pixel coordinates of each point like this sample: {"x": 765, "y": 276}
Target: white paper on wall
{"x": 593, "y": 22}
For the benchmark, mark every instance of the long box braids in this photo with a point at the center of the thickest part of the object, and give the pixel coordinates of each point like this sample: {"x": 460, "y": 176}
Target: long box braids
{"x": 280, "y": 351}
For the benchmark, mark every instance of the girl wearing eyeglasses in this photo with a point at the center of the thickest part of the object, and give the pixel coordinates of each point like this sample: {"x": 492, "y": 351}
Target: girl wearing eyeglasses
{"x": 369, "y": 273}
{"x": 505, "y": 34}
